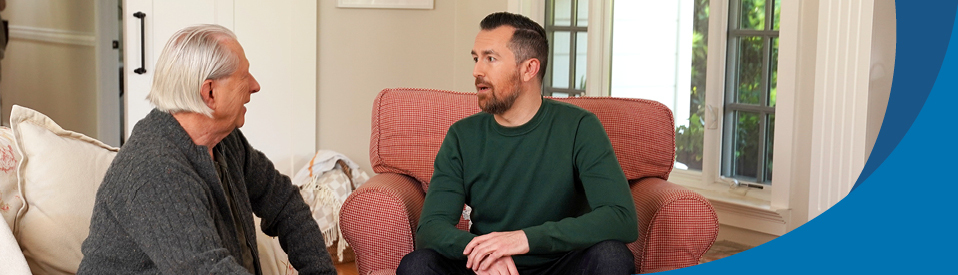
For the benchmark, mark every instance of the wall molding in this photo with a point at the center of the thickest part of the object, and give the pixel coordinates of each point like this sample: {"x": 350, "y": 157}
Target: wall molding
{"x": 838, "y": 151}
{"x": 56, "y": 36}
{"x": 747, "y": 213}
{"x": 768, "y": 221}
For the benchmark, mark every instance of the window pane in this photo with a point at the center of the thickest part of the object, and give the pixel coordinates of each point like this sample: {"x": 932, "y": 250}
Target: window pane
{"x": 773, "y": 74}
{"x": 659, "y": 52}
{"x": 690, "y": 135}
{"x": 769, "y": 145}
{"x": 778, "y": 13}
{"x": 560, "y": 60}
{"x": 753, "y": 15}
{"x": 581, "y": 50}
{"x": 746, "y": 145}
{"x": 558, "y": 94}
{"x": 752, "y": 80}
{"x": 749, "y": 70}
{"x": 563, "y": 13}
{"x": 582, "y": 12}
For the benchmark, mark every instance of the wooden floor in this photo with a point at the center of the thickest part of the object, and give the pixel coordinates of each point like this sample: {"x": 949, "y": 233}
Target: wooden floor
{"x": 347, "y": 268}
{"x": 720, "y": 249}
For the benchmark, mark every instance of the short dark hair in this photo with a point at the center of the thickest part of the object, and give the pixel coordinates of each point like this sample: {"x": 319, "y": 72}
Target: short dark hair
{"x": 528, "y": 41}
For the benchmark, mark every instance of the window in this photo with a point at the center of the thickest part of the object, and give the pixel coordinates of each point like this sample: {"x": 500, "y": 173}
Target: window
{"x": 567, "y": 29}
{"x": 660, "y": 51}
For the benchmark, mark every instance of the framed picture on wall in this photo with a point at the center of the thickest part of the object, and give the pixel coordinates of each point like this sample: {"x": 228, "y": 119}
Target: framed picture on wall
{"x": 386, "y": 4}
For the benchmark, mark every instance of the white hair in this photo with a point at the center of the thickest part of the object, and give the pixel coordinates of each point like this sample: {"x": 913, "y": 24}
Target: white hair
{"x": 193, "y": 55}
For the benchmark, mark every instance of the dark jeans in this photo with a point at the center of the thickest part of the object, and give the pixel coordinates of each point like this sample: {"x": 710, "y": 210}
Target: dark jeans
{"x": 607, "y": 257}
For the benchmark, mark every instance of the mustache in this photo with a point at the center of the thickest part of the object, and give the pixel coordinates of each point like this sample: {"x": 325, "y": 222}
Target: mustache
{"x": 482, "y": 80}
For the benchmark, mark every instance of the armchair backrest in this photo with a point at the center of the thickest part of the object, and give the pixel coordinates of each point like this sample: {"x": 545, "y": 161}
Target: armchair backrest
{"x": 408, "y": 126}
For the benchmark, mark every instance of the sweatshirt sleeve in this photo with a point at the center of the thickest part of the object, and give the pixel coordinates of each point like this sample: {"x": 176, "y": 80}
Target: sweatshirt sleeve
{"x": 612, "y": 215}
{"x": 285, "y": 214}
{"x": 444, "y": 203}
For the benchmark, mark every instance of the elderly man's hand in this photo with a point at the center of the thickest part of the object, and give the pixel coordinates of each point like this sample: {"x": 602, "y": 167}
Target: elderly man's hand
{"x": 486, "y": 250}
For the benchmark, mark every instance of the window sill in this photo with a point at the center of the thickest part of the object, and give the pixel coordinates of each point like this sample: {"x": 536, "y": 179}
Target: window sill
{"x": 745, "y": 212}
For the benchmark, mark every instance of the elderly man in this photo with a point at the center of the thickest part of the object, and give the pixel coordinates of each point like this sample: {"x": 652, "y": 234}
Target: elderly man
{"x": 546, "y": 191}
{"x": 180, "y": 195}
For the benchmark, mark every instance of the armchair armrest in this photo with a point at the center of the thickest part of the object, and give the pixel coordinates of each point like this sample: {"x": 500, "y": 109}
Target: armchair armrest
{"x": 379, "y": 220}
{"x": 676, "y": 225}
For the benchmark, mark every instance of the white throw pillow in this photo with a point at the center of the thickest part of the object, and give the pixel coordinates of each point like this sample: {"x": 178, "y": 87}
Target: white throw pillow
{"x": 10, "y": 202}
{"x": 58, "y": 179}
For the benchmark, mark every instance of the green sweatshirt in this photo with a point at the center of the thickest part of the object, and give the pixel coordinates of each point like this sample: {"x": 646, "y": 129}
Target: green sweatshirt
{"x": 555, "y": 177}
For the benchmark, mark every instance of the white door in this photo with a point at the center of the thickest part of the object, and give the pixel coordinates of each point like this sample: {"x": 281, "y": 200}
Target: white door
{"x": 279, "y": 38}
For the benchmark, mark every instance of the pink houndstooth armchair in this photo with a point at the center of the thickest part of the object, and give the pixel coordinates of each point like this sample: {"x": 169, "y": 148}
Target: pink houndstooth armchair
{"x": 379, "y": 220}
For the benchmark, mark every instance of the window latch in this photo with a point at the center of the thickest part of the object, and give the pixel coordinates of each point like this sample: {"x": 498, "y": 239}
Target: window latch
{"x": 713, "y": 119}
{"x": 735, "y": 183}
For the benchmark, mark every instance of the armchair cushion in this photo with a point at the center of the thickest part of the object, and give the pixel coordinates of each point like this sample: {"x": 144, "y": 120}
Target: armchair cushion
{"x": 404, "y": 134}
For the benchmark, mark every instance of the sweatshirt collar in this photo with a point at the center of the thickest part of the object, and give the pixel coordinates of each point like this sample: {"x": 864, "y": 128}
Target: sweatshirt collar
{"x": 523, "y": 129}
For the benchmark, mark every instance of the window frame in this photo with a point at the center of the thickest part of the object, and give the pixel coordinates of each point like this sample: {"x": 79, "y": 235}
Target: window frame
{"x": 574, "y": 32}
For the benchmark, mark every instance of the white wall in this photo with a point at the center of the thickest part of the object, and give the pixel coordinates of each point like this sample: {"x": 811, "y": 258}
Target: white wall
{"x": 50, "y": 60}
{"x": 362, "y": 51}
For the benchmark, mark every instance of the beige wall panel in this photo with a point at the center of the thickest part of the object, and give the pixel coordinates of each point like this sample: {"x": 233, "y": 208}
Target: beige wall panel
{"x": 468, "y": 16}
{"x": 67, "y": 15}
{"x": 362, "y": 51}
{"x": 55, "y": 78}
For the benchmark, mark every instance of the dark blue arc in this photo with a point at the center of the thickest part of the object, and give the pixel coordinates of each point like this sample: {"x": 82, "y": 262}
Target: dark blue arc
{"x": 919, "y": 52}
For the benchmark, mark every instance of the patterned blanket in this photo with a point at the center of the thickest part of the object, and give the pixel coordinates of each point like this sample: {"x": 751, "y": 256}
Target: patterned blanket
{"x": 324, "y": 183}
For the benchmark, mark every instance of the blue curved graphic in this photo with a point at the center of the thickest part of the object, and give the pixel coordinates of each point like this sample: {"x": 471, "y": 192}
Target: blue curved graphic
{"x": 920, "y": 49}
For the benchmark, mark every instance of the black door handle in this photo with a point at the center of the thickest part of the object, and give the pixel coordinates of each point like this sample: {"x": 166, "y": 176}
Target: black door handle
{"x": 142, "y": 17}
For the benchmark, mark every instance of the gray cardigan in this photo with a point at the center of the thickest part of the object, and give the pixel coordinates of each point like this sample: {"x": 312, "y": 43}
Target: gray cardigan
{"x": 161, "y": 208}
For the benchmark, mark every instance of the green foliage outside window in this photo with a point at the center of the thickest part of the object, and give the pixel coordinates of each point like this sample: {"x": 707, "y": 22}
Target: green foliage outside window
{"x": 689, "y": 139}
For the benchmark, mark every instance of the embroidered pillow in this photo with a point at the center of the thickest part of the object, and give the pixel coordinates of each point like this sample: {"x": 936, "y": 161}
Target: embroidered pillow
{"x": 10, "y": 201}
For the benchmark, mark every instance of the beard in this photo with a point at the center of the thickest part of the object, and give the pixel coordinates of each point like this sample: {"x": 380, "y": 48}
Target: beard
{"x": 495, "y": 105}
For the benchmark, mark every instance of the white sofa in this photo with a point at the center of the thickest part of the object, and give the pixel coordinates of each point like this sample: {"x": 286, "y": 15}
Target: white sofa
{"x": 48, "y": 181}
